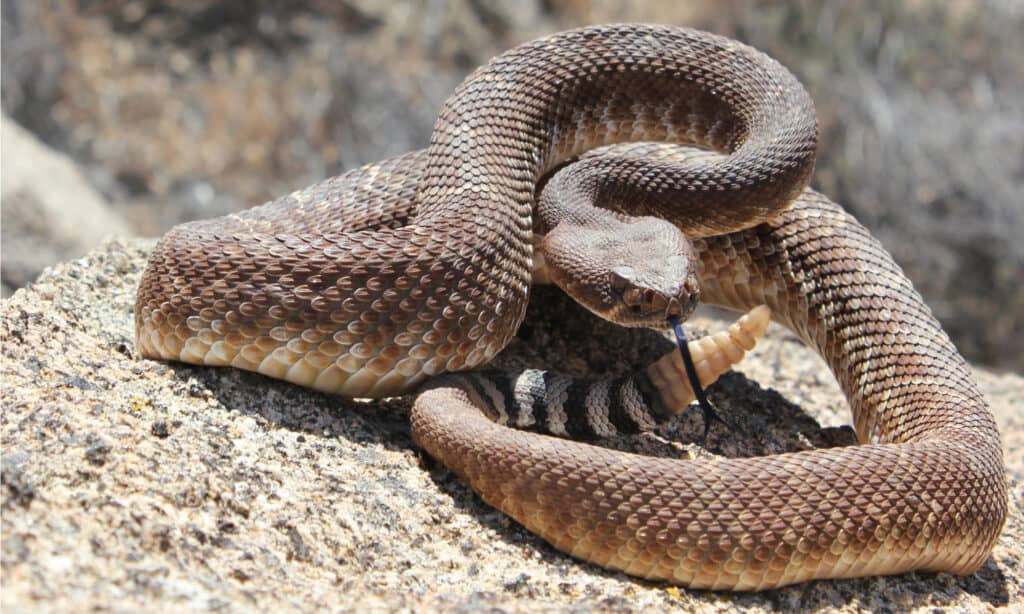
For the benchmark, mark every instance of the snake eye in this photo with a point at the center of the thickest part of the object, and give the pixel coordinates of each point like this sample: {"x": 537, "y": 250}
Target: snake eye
{"x": 633, "y": 297}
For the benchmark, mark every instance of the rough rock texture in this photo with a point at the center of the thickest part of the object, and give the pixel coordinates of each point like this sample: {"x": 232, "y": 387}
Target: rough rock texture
{"x": 183, "y": 109}
{"x": 50, "y": 211}
{"x": 136, "y": 485}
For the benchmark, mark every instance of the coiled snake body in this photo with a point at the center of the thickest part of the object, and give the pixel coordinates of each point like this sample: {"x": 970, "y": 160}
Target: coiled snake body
{"x": 371, "y": 282}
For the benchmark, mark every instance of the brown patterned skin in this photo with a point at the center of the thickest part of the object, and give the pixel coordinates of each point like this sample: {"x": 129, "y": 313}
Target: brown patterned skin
{"x": 426, "y": 269}
{"x": 366, "y": 311}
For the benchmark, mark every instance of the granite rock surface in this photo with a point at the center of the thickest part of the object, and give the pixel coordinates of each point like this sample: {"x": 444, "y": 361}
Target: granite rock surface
{"x": 136, "y": 485}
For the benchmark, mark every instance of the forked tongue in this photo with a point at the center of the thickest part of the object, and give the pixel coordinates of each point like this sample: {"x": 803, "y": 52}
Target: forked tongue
{"x": 710, "y": 413}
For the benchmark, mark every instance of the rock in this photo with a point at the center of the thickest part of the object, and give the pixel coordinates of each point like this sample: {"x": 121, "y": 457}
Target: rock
{"x": 137, "y": 485}
{"x": 50, "y": 212}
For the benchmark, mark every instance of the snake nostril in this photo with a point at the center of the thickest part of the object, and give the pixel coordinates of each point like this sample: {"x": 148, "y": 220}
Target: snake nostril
{"x": 673, "y": 308}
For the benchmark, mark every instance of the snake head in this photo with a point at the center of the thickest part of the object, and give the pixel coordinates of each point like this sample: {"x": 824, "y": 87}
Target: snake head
{"x": 633, "y": 271}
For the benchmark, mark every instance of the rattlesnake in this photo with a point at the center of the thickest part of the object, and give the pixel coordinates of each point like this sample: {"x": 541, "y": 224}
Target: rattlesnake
{"x": 369, "y": 283}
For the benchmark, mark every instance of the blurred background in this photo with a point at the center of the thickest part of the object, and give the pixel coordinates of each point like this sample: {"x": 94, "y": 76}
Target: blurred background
{"x": 125, "y": 117}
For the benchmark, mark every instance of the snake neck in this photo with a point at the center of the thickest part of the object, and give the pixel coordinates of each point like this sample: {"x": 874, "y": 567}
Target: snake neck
{"x": 932, "y": 496}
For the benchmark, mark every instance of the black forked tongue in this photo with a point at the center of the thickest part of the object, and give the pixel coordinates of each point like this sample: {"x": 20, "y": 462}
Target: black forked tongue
{"x": 710, "y": 413}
